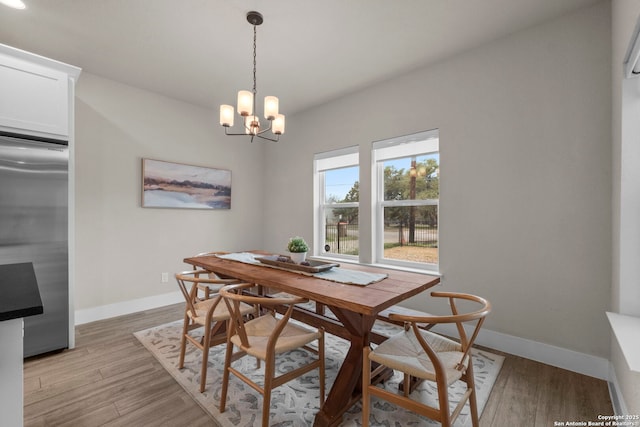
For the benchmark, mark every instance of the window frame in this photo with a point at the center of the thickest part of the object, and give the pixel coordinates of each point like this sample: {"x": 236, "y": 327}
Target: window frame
{"x": 323, "y": 162}
{"x": 418, "y": 144}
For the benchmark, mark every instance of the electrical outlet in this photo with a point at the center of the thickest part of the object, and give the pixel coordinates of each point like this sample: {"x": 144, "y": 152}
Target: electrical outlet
{"x": 165, "y": 278}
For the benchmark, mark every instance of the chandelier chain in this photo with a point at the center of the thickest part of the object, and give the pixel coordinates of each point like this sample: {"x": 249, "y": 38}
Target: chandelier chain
{"x": 254, "y": 63}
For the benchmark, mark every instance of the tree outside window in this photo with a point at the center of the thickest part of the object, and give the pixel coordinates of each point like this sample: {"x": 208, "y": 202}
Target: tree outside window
{"x": 407, "y": 200}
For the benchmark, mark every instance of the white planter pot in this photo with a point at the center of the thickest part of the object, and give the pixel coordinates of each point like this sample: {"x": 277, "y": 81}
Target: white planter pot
{"x": 298, "y": 257}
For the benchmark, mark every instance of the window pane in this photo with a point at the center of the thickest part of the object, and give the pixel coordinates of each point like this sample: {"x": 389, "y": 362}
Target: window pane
{"x": 412, "y": 178}
{"x": 341, "y": 185}
{"x": 341, "y": 231}
{"x": 411, "y": 233}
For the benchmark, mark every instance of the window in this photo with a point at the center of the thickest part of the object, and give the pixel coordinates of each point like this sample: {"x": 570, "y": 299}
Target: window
{"x": 336, "y": 210}
{"x": 402, "y": 213}
{"x": 406, "y": 200}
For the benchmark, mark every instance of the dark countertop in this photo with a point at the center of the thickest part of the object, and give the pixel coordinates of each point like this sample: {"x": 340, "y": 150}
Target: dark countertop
{"x": 19, "y": 294}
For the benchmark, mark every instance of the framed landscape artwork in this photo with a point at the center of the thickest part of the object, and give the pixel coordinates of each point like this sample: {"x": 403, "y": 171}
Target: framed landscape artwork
{"x": 176, "y": 185}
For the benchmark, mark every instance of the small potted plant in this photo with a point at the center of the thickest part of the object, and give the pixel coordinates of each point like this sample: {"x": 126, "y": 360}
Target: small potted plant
{"x": 298, "y": 249}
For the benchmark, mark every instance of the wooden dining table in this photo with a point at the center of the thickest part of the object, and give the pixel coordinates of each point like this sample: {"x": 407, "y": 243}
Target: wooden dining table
{"x": 354, "y": 308}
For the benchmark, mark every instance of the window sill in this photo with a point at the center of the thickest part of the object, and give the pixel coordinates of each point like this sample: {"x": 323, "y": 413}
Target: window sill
{"x": 410, "y": 269}
{"x": 387, "y": 266}
{"x": 626, "y": 330}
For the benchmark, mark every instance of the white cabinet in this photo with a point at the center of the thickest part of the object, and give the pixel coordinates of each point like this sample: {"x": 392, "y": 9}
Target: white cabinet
{"x": 35, "y": 94}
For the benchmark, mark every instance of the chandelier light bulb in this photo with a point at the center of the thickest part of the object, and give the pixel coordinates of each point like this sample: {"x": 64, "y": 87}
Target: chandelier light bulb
{"x": 278, "y": 125}
{"x": 270, "y": 107}
{"x": 16, "y": 4}
{"x": 226, "y": 115}
{"x": 245, "y": 103}
{"x": 252, "y": 125}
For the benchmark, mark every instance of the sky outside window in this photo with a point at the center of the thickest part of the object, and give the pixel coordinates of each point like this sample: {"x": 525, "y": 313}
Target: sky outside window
{"x": 338, "y": 182}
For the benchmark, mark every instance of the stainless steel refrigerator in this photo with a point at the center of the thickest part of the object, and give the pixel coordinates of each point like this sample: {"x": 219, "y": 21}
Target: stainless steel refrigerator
{"x": 33, "y": 228}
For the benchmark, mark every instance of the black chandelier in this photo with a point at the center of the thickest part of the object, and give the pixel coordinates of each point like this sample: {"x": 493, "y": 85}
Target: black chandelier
{"x": 247, "y": 104}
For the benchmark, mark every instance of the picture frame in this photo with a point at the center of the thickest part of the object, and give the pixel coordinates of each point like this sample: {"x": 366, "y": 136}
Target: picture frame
{"x": 182, "y": 186}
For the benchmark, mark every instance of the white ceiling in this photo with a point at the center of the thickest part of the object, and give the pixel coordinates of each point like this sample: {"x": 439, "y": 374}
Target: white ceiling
{"x": 309, "y": 52}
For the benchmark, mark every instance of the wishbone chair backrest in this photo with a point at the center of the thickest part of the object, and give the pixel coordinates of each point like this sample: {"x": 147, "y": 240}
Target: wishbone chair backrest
{"x": 466, "y": 342}
{"x": 233, "y": 296}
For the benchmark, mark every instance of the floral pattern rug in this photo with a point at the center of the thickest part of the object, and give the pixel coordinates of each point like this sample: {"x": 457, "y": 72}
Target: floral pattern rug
{"x": 296, "y": 403}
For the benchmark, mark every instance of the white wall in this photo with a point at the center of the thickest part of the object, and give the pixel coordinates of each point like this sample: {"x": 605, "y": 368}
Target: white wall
{"x": 122, "y": 248}
{"x": 525, "y": 139}
{"x": 626, "y": 190}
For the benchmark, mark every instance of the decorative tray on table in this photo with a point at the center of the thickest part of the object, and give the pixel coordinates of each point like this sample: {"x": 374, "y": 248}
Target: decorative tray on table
{"x": 285, "y": 262}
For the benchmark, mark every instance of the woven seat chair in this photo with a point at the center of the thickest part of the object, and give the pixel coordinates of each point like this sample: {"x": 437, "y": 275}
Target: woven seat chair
{"x": 208, "y": 289}
{"x": 265, "y": 337}
{"x": 210, "y": 314}
{"x": 428, "y": 356}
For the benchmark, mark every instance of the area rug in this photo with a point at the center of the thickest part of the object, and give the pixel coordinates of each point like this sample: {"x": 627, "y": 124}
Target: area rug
{"x": 296, "y": 403}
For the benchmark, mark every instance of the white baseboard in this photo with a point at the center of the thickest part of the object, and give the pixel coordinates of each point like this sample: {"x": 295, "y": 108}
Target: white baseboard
{"x": 126, "y": 307}
{"x": 586, "y": 364}
{"x": 617, "y": 398}
{"x": 571, "y": 360}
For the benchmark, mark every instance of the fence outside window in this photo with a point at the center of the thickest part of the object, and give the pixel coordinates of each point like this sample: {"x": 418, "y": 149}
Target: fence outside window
{"x": 343, "y": 238}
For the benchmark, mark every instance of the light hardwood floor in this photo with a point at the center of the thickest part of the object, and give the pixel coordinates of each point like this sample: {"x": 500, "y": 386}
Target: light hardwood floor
{"x": 110, "y": 379}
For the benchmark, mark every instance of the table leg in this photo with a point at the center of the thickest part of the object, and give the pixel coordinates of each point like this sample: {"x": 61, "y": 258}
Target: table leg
{"x": 347, "y": 388}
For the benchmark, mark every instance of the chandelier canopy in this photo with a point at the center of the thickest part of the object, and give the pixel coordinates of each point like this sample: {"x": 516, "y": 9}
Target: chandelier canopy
{"x": 247, "y": 104}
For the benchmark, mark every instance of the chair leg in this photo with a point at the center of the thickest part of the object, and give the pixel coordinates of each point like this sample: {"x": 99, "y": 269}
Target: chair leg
{"x": 206, "y": 343}
{"x": 366, "y": 382}
{"x": 183, "y": 341}
{"x": 443, "y": 401}
{"x": 473, "y": 404}
{"x": 407, "y": 384}
{"x": 322, "y": 367}
{"x": 269, "y": 374}
{"x": 225, "y": 376}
